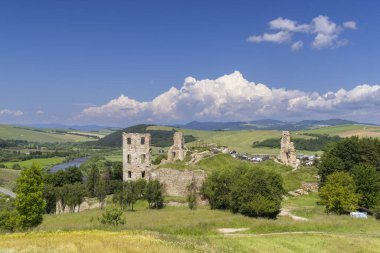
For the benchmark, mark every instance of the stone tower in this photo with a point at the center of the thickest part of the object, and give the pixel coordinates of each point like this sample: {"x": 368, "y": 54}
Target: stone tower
{"x": 288, "y": 153}
{"x": 177, "y": 151}
{"x": 136, "y": 156}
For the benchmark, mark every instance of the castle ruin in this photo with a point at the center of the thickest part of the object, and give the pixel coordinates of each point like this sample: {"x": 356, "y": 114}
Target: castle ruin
{"x": 136, "y": 156}
{"x": 288, "y": 154}
{"x": 177, "y": 151}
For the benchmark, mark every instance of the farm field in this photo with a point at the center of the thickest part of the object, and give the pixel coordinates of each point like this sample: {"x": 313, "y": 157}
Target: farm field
{"x": 8, "y": 178}
{"x": 10, "y": 132}
{"x": 347, "y": 131}
{"x": 42, "y": 162}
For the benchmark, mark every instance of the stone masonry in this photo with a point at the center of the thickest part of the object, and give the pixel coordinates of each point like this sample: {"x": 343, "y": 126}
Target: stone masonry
{"x": 136, "y": 156}
{"x": 288, "y": 154}
{"x": 177, "y": 151}
{"x": 175, "y": 182}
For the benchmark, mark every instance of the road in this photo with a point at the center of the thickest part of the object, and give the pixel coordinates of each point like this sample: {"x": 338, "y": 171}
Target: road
{"x": 7, "y": 192}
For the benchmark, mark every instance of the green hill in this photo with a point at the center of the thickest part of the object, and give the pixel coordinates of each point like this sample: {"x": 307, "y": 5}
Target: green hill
{"x": 10, "y": 132}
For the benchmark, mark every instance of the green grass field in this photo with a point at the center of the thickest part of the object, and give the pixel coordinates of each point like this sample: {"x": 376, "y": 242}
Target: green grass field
{"x": 346, "y": 131}
{"x": 196, "y": 231}
{"x": 42, "y": 162}
{"x": 8, "y": 178}
{"x": 9, "y": 132}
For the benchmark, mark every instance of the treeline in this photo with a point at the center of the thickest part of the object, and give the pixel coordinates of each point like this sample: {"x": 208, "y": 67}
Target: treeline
{"x": 11, "y": 143}
{"x": 319, "y": 142}
{"x": 159, "y": 138}
{"x": 251, "y": 192}
{"x": 350, "y": 175}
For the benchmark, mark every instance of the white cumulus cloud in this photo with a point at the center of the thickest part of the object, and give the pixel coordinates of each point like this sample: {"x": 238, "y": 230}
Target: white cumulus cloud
{"x": 13, "y": 113}
{"x": 232, "y": 97}
{"x": 325, "y": 33}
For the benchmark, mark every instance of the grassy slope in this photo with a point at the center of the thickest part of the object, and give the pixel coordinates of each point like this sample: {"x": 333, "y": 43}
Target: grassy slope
{"x": 8, "y": 178}
{"x": 346, "y": 130}
{"x": 240, "y": 141}
{"x": 196, "y": 230}
{"x": 29, "y": 134}
{"x": 292, "y": 179}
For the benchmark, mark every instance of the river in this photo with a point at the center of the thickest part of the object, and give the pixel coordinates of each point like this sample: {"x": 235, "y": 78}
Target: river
{"x": 76, "y": 162}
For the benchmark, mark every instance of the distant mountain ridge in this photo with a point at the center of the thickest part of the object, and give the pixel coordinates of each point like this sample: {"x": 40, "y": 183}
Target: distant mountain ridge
{"x": 72, "y": 127}
{"x": 267, "y": 124}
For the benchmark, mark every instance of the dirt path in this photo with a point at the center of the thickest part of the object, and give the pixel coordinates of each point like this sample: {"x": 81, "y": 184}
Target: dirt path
{"x": 286, "y": 212}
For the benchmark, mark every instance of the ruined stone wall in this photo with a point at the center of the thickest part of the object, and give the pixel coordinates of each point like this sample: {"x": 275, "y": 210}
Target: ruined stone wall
{"x": 288, "y": 153}
{"x": 136, "y": 156}
{"x": 177, "y": 151}
{"x": 175, "y": 182}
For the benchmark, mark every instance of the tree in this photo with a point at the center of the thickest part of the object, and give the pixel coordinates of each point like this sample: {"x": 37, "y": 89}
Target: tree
{"x": 140, "y": 185}
{"x": 74, "y": 195}
{"x": 130, "y": 193}
{"x": 338, "y": 193}
{"x": 192, "y": 195}
{"x": 93, "y": 179}
{"x": 257, "y": 193}
{"x": 367, "y": 181}
{"x": 101, "y": 192}
{"x": 217, "y": 187}
{"x": 50, "y": 198}
{"x": 153, "y": 194}
{"x": 30, "y": 203}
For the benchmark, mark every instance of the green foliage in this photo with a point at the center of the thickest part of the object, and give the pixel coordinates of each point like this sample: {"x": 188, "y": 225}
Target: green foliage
{"x": 192, "y": 195}
{"x": 252, "y": 192}
{"x": 314, "y": 144}
{"x": 30, "y": 203}
{"x": 75, "y": 195}
{"x": 345, "y": 154}
{"x": 338, "y": 194}
{"x": 16, "y": 166}
{"x": 367, "y": 181}
{"x": 101, "y": 191}
{"x": 158, "y": 159}
{"x": 153, "y": 194}
{"x": 112, "y": 216}
{"x": 93, "y": 177}
{"x": 140, "y": 186}
{"x": 9, "y": 220}
{"x": 257, "y": 193}
{"x": 70, "y": 175}
{"x": 50, "y": 198}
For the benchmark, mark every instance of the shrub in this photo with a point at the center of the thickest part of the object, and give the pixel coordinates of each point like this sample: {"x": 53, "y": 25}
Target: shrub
{"x": 338, "y": 194}
{"x": 251, "y": 192}
{"x": 9, "y": 220}
{"x": 192, "y": 195}
{"x": 112, "y": 216}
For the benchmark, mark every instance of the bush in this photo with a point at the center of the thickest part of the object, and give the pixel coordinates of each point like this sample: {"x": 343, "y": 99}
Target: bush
{"x": 158, "y": 159}
{"x": 251, "y": 192}
{"x": 338, "y": 194}
{"x": 112, "y": 216}
{"x": 9, "y": 220}
{"x": 16, "y": 166}
{"x": 260, "y": 206}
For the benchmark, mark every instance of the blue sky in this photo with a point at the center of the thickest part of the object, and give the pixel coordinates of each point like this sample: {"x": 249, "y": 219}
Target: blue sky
{"x": 66, "y": 61}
